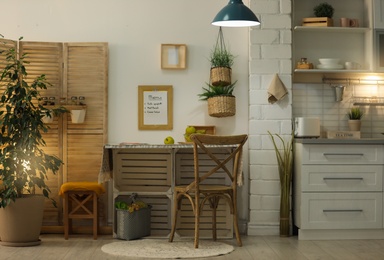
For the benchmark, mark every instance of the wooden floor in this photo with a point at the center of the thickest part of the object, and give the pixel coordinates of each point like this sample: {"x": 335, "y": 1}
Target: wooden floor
{"x": 254, "y": 247}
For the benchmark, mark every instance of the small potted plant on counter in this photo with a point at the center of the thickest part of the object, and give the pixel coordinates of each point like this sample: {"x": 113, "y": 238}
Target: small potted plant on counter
{"x": 355, "y": 115}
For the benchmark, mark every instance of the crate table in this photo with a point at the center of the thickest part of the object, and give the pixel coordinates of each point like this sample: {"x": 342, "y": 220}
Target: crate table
{"x": 152, "y": 171}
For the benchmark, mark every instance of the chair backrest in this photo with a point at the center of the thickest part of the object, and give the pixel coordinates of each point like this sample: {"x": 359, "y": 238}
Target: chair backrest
{"x": 206, "y": 144}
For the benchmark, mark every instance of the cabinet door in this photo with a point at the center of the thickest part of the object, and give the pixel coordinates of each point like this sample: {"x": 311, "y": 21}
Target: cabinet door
{"x": 378, "y": 14}
{"x": 341, "y": 210}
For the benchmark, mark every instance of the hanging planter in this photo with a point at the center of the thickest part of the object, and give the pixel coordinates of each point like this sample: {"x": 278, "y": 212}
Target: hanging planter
{"x": 222, "y": 106}
{"x": 221, "y": 63}
{"x": 221, "y": 102}
{"x": 78, "y": 115}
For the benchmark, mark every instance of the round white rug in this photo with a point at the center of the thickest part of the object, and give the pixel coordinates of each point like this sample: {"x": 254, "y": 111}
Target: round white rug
{"x": 161, "y": 248}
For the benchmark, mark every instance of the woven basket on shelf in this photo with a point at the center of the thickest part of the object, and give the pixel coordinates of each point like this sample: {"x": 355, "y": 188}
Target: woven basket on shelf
{"x": 220, "y": 76}
{"x": 222, "y": 106}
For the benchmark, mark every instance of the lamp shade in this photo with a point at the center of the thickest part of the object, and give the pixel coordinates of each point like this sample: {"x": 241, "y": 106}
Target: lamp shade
{"x": 235, "y": 14}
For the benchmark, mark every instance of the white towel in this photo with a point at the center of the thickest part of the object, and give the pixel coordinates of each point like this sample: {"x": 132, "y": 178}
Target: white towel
{"x": 276, "y": 90}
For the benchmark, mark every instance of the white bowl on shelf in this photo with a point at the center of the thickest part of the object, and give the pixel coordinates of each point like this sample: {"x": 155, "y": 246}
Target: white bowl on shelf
{"x": 329, "y": 61}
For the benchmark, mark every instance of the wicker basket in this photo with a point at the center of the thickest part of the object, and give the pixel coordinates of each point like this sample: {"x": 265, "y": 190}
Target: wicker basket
{"x": 222, "y": 106}
{"x": 221, "y": 76}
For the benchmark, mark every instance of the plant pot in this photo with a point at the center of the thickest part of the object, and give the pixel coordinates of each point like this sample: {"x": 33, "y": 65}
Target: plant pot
{"x": 21, "y": 221}
{"x": 354, "y": 125}
{"x": 222, "y": 106}
{"x": 47, "y": 119}
{"x": 78, "y": 116}
{"x": 221, "y": 76}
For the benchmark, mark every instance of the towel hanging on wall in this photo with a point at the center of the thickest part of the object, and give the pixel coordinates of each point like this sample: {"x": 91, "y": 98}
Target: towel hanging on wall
{"x": 276, "y": 90}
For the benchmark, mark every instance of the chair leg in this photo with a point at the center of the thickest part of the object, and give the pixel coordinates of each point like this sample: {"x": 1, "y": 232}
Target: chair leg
{"x": 174, "y": 216}
{"x": 236, "y": 224}
{"x": 214, "y": 233}
{"x": 197, "y": 219}
{"x": 95, "y": 217}
{"x": 66, "y": 217}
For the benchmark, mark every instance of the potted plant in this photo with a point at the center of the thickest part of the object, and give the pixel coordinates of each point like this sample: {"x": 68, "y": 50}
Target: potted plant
{"x": 24, "y": 163}
{"x": 323, "y": 13}
{"x": 221, "y": 62}
{"x": 323, "y": 10}
{"x": 355, "y": 115}
{"x": 221, "y": 101}
{"x": 284, "y": 156}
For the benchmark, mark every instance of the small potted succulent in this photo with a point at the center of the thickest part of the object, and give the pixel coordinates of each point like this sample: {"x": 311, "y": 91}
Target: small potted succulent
{"x": 221, "y": 101}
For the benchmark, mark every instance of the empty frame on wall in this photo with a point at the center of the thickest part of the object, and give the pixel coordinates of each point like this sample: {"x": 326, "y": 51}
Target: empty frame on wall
{"x": 173, "y": 56}
{"x": 155, "y": 107}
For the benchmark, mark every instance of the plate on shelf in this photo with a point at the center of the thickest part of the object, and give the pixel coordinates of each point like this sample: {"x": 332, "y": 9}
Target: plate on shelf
{"x": 330, "y": 67}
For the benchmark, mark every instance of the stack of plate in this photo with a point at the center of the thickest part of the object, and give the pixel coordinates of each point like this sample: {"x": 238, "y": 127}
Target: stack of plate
{"x": 330, "y": 64}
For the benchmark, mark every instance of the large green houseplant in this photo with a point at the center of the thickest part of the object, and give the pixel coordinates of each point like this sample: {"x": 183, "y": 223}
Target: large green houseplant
{"x": 24, "y": 164}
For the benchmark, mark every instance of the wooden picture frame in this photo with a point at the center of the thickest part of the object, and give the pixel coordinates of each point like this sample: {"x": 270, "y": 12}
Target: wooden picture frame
{"x": 155, "y": 107}
{"x": 173, "y": 56}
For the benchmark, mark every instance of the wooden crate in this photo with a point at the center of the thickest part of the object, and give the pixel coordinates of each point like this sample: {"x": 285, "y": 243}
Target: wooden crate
{"x": 318, "y": 21}
{"x": 142, "y": 170}
{"x": 209, "y": 129}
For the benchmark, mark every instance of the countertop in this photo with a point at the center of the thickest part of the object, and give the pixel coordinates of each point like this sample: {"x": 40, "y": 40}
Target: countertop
{"x": 339, "y": 141}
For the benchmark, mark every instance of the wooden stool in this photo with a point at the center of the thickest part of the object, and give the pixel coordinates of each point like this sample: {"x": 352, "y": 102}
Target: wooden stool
{"x": 76, "y": 195}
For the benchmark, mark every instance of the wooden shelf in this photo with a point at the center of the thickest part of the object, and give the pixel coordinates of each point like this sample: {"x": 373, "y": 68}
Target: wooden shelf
{"x": 332, "y": 29}
{"x": 69, "y": 107}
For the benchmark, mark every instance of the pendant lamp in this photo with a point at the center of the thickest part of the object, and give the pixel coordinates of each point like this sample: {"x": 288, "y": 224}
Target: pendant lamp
{"x": 235, "y": 14}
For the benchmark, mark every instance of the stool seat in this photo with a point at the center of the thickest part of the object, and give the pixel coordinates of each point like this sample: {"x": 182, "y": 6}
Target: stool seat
{"x": 80, "y": 202}
{"x": 83, "y": 186}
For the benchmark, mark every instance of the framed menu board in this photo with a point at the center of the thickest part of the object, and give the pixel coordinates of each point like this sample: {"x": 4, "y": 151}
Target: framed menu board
{"x": 155, "y": 107}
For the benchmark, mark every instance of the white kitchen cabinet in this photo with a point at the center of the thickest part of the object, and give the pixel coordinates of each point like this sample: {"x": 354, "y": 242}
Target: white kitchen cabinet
{"x": 338, "y": 191}
{"x": 346, "y": 43}
{"x": 378, "y": 14}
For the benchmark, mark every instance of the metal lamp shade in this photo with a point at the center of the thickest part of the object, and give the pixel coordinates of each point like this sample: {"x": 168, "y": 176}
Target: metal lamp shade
{"x": 235, "y": 14}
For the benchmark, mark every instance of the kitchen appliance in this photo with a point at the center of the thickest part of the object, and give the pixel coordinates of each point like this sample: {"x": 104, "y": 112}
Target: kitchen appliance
{"x": 307, "y": 127}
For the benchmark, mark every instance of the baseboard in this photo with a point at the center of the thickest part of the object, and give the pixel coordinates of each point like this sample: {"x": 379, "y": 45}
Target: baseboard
{"x": 263, "y": 230}
{"x": 103, "y": 230}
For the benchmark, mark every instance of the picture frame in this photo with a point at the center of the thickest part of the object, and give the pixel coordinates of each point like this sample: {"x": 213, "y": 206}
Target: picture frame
{"x": 155, "y": 107}
{"x": 173, "y": 56}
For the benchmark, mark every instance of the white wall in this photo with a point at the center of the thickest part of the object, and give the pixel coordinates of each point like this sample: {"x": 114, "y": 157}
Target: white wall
{"x": 135, "y": 30}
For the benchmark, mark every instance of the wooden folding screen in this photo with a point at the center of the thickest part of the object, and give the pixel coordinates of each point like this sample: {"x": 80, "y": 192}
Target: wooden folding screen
{"x": 73, "y": 69}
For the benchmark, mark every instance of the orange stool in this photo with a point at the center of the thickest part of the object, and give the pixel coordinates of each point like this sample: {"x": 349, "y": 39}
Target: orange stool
{"x": 76, "y": 195}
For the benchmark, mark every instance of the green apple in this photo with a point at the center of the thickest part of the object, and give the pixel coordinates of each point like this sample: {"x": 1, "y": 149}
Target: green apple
{"x": 187, "y": 138}
{"x": 202, "y": 131}
{"x": 190, "y": 130}
{"x": 169, "y": 140}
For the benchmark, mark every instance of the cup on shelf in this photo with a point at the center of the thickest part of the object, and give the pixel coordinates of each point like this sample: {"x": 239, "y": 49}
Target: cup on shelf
{"x": 350, "y": 65}
{"x": 353, "y": 22}
{"x": 345, "y": 22}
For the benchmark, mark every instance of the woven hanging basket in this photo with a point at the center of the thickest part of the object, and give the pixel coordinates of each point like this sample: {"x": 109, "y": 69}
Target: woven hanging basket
{"x": 222, "y": 106}
{"x": 221, "y": 76}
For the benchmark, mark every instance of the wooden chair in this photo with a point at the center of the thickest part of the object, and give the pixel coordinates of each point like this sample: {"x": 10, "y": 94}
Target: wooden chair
{"x": 198, "y": 193}
{"x": 80, "y": 202}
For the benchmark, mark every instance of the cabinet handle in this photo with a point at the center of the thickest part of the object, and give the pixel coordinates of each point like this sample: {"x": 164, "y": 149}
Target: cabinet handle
{"x": 344, "y": 154}
{"x": 342, "y": 210}
{"x": 342, "y": 179}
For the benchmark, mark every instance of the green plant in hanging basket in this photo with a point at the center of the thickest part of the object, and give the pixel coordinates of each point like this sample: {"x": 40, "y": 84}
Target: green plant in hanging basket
{"x": 220, "y": 55}
{"x": 213, "y": 91}
{"x": 323, "y": 10}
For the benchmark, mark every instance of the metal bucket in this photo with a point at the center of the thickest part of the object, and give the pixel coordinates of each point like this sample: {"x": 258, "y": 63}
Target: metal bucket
{"x": 339, "y": 92}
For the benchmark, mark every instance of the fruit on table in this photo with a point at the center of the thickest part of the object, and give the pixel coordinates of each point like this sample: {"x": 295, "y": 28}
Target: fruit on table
{"x": 169, "y": 140}
{"x": 190, "y": 130}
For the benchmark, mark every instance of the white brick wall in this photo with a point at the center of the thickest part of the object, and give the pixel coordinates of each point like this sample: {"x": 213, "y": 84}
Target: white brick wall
{"x": 270, "y": 53}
